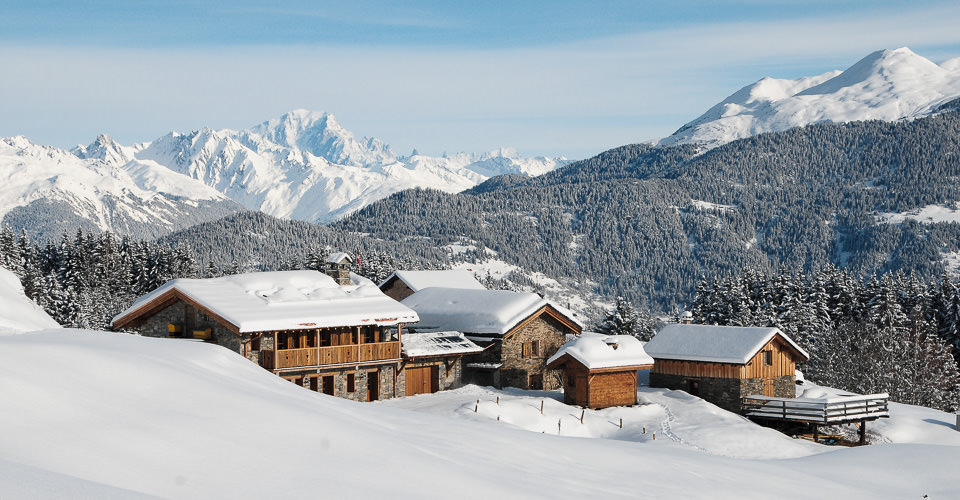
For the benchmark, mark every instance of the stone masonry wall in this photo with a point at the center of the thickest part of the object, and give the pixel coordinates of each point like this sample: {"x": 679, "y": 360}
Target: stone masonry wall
{"x": 450, "y": 374}
{"x": 727, "y": 393}
{"x": 303, "y": 378}
{"x": 516, "y": 369}
{"x": 785, "y": 387}
{"x": 156, "y": 325}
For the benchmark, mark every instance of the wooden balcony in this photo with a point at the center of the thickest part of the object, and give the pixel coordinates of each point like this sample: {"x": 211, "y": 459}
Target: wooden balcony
{"x": 336, "y": 355}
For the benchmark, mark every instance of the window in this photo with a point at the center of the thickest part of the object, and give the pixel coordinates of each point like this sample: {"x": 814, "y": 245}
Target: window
{"x": 369, "y": 335}
{"x": 535, "y": 382}
{"x": 768, "y": 357}
{"x": 530, "y": 349}
{"x": 255, "y": 343}
{"x": 351, "y": 382}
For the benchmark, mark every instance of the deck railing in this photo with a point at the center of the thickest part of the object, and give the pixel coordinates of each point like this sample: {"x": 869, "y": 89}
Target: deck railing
{"x": 832, "y": 410}
{"x": 335, "y": 355}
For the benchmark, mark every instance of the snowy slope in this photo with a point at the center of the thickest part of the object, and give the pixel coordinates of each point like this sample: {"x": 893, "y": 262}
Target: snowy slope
{"x": 184, "y": 419}
{"x": 17, "y": 312}
{"x": 885, "y": 85}
{"x": 44, "y": 186}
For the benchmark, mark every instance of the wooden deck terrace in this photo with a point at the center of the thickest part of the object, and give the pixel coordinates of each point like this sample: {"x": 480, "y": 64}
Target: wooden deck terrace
{"x": 826, "y": 411}
{"x": 314, "y": 357}
{"x": 837, "y": 410}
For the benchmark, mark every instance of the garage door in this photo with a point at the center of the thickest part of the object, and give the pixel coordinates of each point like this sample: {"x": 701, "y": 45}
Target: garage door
{"x": 422, "y": 380}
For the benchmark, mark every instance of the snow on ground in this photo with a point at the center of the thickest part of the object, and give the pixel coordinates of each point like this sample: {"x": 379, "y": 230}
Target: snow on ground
{"x": 110, "y": 414}
{"x": 17, "y": 312}
{"x": 677, "y": 419}
{"x": 929, "y": 214}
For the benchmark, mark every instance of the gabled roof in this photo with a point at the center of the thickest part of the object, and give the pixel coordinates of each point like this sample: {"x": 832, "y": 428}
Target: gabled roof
{"x": 281, "y": 300}
{"x": 449, "y": 278}
{"x": 427, "y": 344}
{"x": 603, "y": 351}
{"x": 491, "y": 312}
{"x": 339, "y": 258}
{"x": 716, "y": 344}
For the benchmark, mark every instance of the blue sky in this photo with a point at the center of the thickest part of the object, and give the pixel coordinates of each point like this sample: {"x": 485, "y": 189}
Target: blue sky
{"x": 553, "y": 78}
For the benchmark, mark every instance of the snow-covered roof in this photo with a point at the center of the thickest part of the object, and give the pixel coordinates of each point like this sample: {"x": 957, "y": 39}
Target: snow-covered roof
{"x": 493, "y": 312}
{"x": 437, "y": 344}
{"x": 450, "y": 278}
{"x": 710, "y": 343}
{"x": 605, "y": 352}
{"x": 339, "y": 257}
{"x": 283, "y": 300}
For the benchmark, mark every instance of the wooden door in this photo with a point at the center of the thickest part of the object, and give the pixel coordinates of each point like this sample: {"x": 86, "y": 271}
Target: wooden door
{"x": 422, "y": 380}
{"x": 328, "y": 384}
{"x": 768, "y": 387}
{"x": 373, "y": 385}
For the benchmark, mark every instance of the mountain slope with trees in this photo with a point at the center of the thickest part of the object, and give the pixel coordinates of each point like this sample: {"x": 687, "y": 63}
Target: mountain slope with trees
{"x": 647, "y": 223}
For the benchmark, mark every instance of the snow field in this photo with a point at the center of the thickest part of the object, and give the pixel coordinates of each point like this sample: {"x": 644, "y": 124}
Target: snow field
{"x": 125, "y": 416}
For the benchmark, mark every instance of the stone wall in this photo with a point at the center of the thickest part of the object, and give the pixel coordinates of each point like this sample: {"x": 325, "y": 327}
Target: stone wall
{"x": 362, "y": 374}
{"x": 726, "y": 393}
{"x": 397, "y": 290}
{"x": 156, "y": 325}
{"x": 517, "y": 370}
{"x": 785, "y": 387}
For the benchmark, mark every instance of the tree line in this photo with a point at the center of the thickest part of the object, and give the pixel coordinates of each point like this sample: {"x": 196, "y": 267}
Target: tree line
{"x": 895, "y": 333}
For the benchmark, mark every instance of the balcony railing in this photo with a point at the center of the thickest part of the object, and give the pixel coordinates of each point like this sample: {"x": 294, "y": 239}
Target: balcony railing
{"x": 320, "y": 356}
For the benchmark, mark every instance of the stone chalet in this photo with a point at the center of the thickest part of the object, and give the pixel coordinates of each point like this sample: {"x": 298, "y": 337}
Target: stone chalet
{"x": 725, "y": 364}
{"x": 402, "y": 284}
{"x": 339, "y": 339}
{"x": 600, "y": 371}
{"x": 518, "y": 332}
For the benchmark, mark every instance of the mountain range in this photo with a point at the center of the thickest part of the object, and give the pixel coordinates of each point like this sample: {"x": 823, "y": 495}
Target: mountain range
{"x": 303, "y": 165}
{"x": 885, "y": 85}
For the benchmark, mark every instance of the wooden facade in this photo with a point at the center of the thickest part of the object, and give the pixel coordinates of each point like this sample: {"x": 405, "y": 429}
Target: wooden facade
{"x": 597, "y": 388}
{"x": 361, "y": 362}
{"x": 769, "y": 371}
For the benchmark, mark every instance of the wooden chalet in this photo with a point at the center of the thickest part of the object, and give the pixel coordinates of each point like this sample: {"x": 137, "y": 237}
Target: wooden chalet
{"x": 518, "y": 332}
{"x": 433, "y": 361}
{"x": 600, "y": 371}
{"x": 725, "y": 364}
{"x": 402, "y": 284}
{"x": 342, "y": 340}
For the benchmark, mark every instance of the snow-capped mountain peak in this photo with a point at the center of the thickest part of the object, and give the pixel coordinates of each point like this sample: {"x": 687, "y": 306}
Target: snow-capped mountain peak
{"x": 885, "y": 85}
{"x": 319, "y": 134}
{"x": 105, "y": 149}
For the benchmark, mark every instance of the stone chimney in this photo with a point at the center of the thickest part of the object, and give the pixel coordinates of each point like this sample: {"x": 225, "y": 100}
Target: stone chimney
{"x": 337, "y": 267}
{"x": 686, "y": 318}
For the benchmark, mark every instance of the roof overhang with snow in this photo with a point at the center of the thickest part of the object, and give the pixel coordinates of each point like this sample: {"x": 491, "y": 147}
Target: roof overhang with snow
{"x": 603, "y": 353}
{"x": 281, "y": 300}
{"x": 437, "y": 344}
{"x": 715, "y": 344}
{"x": 482, "y": 313}
{"x": 448, "y": 278}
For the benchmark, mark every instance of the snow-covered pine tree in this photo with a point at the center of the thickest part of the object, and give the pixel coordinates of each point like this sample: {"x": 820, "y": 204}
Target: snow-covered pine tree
{"x": 624, "y": 320}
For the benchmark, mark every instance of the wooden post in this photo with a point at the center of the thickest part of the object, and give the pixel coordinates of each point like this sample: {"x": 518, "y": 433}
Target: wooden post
{"x": 541, "y": 407}
{"x": 581, "y": 415}
{"x": 644, "y": 429}
{"x": 621, "y": 423}
{"x": 654, "y": 436}
{"x": 816, "y": 433}
{"x": 498, "y": 400}
{"x": 863, "y": 432}
{"x": 558, "y": 426}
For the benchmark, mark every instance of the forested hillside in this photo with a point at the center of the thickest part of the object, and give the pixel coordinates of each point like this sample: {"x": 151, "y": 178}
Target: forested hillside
{"x": 649, "y": 222}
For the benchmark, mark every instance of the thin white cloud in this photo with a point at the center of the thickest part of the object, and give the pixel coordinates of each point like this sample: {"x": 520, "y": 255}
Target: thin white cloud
{"x": 574, "y": 99}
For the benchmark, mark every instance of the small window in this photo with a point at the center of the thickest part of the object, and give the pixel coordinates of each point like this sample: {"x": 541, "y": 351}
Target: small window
{"x": 255, "y": 343}
{"x": 351, "y": 382}
{"x": 768, "y": 358}
{"x": 530, "y": 349}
